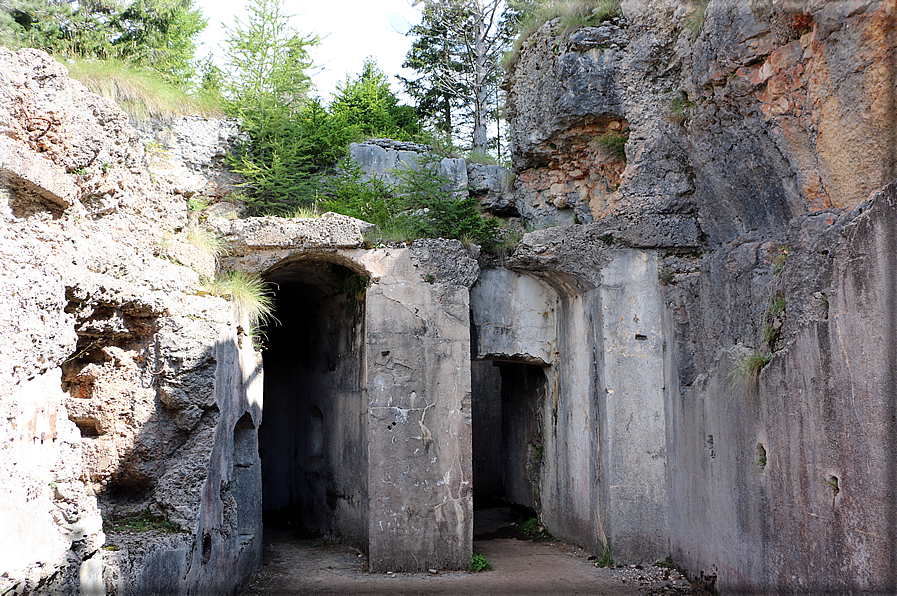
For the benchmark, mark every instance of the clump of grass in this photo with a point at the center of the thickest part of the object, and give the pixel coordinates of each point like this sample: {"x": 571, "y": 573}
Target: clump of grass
{"x": 141, "y": 521}
{"x": 666, "y": 563}
{"x": 141, "y": 92}
{"x": 196, "y": 204}
{"x": 395, "y": 231}
{"x": 248, "y": 292}
{"x": 574, "y": 14}
{"x": 747, "y": 369}
{"x": 307, "y": 212}
{"x": 694, "y": 22}
{"x": 614, "y": 143}
{"x": 605, "y": 560}
{"x": 207, "y": 241}
{"x": 479, "y": 563}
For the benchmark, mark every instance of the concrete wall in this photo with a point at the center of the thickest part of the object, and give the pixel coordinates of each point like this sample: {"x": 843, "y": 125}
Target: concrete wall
{"x": 600, "y": 424}
{"x": 823, "y": 410}
{"x": 418, "y": 389}
{"x": 631, "y": 409}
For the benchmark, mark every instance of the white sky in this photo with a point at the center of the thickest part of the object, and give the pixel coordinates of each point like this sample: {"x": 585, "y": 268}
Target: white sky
{"x": 350, "y": 31}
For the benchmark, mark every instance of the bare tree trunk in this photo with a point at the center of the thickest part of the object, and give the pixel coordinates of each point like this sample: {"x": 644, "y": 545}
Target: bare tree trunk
{"x": 481, "y": 89}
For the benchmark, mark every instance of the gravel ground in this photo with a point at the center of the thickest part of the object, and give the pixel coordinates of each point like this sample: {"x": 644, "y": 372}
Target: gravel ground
{"x": 522, "y": 565}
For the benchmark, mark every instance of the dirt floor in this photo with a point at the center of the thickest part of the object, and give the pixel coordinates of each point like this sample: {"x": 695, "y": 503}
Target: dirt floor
{"x": 522, "y": 565}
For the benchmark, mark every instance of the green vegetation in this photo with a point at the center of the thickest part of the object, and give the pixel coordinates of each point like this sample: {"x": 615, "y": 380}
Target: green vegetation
{"x": 157, "y": 34}
{"x": 780, "y": 257}
{"x": 207, "y": 241}
{"x": 141, "y": 521}
{"x": 680, "y": 107}
{"x": 574, "y": 14}
{"x": 666, "y": 563}
{"x": 747, "y": 368}
{"x": 479, "y": 563}
{"x": 665, "y": 276}
{"x": 607, "y": 238}
{"x": 531, "y": 527}
{"x": 248, "y": 292}
{"x": 605, "y": 560}
{"x": 420, "y": 206}
{"x": 761, "y": 457}
{"x": 694, "y": 22}
{"x": 614, "y": 143}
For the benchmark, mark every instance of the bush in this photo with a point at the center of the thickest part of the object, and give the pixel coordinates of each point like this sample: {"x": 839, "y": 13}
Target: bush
{"x": 479, "y": 563}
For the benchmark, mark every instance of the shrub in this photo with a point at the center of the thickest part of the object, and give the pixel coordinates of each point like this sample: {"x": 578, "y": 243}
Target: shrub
{"x": 371, "y": 200}
{"x": 479, "y": 563}
{"x": 614, "y": 143}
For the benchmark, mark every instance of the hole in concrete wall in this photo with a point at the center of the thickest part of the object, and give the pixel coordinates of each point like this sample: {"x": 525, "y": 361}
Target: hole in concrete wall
{"x": 761, "y": 456}
{"x": 89, "y": 427}
{"x": 507, "y": 433}
{"x": 312, "y": 441}
{"x": 710, "y": 450}
{"x": 206, "y": 548}
{"x": 640, "y": 337}
{"x": 834, "y": 484}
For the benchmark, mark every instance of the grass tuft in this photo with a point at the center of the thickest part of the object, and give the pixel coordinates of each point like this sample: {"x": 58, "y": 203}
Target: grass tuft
{"x": 207, "y": 241}
{"x": 574, "y": 14}
{"x": 747, "y": 369}
{"x": 248, "y": 292}
{"x": 141, "y": 92}
{"x": 694, "y": 23}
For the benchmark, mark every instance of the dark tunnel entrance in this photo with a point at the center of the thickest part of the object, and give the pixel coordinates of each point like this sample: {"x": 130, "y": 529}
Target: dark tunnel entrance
{"x": 508, "y": 399}
{"x": 312, "y": 440}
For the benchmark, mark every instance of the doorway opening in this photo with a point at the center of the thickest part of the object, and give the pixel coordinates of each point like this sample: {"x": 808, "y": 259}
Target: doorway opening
{"x": 313, "y": 435}
{"x": 508, "y": 401}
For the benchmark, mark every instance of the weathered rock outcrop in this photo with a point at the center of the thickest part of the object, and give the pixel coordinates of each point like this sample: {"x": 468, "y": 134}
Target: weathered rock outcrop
{"x": 113, "y": 395}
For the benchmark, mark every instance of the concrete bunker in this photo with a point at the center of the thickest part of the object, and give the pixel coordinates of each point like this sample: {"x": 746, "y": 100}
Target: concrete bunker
{"x": 586, "y": 355}
{"x": 313, "y": 438}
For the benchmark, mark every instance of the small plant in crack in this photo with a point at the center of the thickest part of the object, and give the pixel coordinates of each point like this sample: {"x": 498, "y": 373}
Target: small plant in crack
{"x": 605, "y": 560}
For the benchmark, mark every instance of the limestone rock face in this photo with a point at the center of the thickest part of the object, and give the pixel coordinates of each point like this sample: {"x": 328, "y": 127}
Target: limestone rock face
{"x": 111, "y": 361}
{"x": 764, "y": 116}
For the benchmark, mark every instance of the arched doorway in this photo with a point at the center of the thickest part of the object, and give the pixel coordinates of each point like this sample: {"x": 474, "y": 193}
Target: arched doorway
{"x": 312, "y": 440}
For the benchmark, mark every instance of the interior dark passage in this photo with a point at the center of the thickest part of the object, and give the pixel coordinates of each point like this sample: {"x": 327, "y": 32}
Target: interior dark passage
{"x": 508, "y": 398}
{"x": 312, "y": 440}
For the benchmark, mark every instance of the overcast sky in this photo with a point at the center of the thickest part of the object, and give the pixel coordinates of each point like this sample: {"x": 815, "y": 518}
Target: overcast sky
{"x": 350, "y": 31}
